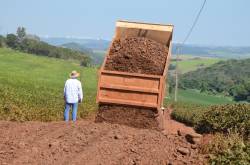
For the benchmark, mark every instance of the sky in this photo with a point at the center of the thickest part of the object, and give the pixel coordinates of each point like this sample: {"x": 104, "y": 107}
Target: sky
{"x": 222, "y": 22}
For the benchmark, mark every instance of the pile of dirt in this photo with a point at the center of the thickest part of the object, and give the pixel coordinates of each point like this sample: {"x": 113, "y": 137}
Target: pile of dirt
{"x": 128, "y": 115}
{"x": 137, "y": 55}
{"x": 134, "y": 55}
{"x": 87, "y": 142}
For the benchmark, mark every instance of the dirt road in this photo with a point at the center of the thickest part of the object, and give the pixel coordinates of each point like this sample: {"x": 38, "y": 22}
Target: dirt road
{"x": 87, "y": 142}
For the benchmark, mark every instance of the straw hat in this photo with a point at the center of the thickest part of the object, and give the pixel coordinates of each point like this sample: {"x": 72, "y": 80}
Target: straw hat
{"x": 74, "y": 74}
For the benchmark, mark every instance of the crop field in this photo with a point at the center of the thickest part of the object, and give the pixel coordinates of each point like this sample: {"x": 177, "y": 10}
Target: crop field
{"x": 195, "y": 97}
{"x": 31, "y": 87}
{"x": 229, "y": 125}
{"x": 190, "y": 63}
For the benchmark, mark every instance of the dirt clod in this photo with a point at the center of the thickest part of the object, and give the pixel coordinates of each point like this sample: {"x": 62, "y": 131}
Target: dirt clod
{"x": 193, "y": 146}
{"x": 193, "y": 138}
{"x": 183, "y": 151}
{"x": 117, "y": 137}
{"x": 179, "y": 133}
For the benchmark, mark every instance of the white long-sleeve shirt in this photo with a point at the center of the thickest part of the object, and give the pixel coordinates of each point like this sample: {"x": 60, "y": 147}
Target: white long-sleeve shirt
{"x": 73, "y": 91}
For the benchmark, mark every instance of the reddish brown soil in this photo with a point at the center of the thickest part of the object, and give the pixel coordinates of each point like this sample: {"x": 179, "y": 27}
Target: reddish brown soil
{"x": 127, "y": 115}
{"x": 137, "y": 55}
{"x": 87, "y": 142}
{"x": 172, "y": 126}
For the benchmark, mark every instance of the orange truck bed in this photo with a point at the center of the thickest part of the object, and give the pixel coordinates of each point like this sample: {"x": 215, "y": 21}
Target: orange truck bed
{"x": 134, "y": 89}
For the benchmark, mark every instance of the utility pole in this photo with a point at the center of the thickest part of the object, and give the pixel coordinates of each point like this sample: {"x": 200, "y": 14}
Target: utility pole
{"x": 176, "y": 74}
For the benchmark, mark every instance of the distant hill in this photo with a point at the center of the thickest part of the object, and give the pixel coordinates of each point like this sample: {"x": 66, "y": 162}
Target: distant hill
{"x": 101, "y": 45}
{"x": 96, "y": 56}
{"x": 32, "y": 44}
{"x": 231, "y": 77}
{"x": 77, "y": 47}
{"x": 215, "y": 51}
{"x": 94, "y": 44}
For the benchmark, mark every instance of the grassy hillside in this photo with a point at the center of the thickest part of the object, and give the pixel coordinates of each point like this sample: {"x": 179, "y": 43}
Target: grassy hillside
{"x": 195, "y": 97}
{"x": 96, "y": 56}
{"x": 230, "y": 77}
{"x": 77, "y": 47}
{"x": 189, "y": 63}
{"x": 31, "y": 44}
{"x": 31, "y": 87}
{"x": 227, "y": 52}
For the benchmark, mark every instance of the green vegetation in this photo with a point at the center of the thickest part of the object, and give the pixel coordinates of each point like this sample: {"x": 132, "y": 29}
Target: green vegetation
{"x": 229, "y": 149}
{"x": 226, "y": 52}
{"x": 216, "y": 118}
{"x": 230, "y": 122}
{"x": 31, "y": 87}
{"x": 231, "y": 78}
{"x": 225, "y": 119}
{"x": 195, "y": 97}
{"x": 2, "y": 41}
{"x": 99, "y": 56}
{"x": 187, "y": 113}
{"x": 32, "y": 44}
{"x": 189, "y": 63}
{"x": 77, "y": 47}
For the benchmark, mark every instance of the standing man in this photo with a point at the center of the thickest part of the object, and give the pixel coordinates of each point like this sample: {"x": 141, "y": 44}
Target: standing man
{"x": 72, "y": 95}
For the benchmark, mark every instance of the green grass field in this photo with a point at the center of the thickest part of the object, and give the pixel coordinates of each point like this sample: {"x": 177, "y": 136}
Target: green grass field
{"x": 195, "y": 97}
{"x": 31, "y": 87}
{"x": 190, "y": 63}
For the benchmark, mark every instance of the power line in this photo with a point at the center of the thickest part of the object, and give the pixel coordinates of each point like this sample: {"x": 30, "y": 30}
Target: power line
{"x": 178, "y": 48}
{"x": 195, "y": 22}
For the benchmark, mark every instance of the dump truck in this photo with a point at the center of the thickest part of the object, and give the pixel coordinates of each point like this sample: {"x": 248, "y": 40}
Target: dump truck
{"x": 136, "y": 89}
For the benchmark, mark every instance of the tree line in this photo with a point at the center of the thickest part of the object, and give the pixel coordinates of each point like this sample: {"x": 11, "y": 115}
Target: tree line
{"x": 230, "y": 78}
{"x": 27, "y": 43}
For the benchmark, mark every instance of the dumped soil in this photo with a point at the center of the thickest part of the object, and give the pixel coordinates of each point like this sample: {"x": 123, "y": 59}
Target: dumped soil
{"x": 87, "y": 142}
{"x": 128, "y": 115}
{"x": 137, "y": 55}
{"x": 134, "y": 55}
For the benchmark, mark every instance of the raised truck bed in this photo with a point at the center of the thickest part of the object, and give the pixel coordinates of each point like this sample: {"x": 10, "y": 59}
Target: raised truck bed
{"x": 136, "y": 86}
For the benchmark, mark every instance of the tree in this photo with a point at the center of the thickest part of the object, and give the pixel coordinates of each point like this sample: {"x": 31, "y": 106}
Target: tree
{"x": 203, "y": 87}
{"x": 86, "y": 62}
{"x": 170, "y": 89}
{"x": 2, "y": 41}
{"x": 241, "y": 92}
{"x": 21, "y": 33}
{"x": 248, "y": 98}
{"x": 11, "y": 40}
{"x": 172, "y": 67}
{"x": 32, "y": 37}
